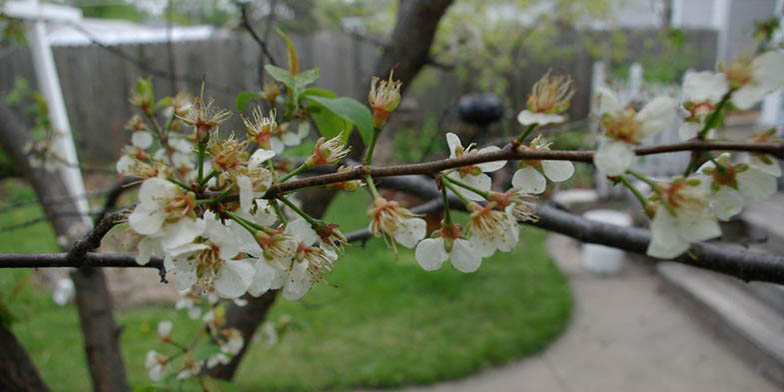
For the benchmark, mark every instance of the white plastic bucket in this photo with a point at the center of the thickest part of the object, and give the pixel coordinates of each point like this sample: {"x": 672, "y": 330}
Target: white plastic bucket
{"x": 601, "y": 259}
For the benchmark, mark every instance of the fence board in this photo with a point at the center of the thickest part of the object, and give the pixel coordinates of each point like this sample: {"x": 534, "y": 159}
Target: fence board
{"x": 96, "y": 83}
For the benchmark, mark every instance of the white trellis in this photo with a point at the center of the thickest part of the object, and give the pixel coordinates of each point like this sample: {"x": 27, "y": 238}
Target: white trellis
{"x": 49, "y": 85}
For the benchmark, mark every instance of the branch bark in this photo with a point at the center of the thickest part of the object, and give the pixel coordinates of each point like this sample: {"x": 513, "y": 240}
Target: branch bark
{"x": 92, "y": 296}
{"x": 17, "y": 372}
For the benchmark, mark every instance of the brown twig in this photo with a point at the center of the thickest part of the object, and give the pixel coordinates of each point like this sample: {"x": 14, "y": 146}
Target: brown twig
{"x": 507, "y": 153}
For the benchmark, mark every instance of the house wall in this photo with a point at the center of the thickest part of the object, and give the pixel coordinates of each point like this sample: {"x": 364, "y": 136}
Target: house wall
{"x": 743, "y": 14}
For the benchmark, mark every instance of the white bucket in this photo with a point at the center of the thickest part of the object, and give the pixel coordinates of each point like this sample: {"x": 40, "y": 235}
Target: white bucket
{"x": 601, "y": 259}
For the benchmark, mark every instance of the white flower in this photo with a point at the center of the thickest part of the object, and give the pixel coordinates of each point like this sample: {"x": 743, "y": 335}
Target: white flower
{"x": 730, "y": 183}
{"x": 527, "y": 117}
{"x": 157, "y": 365}
{"x": 182, "y": 153}
{"x": 320, "y": 259}
{"x": 625, "y": 128}
{"x": 64, "y": 291}
{"x": 217, "y": 359}
{"x": 432, "y": 252}
{"x": 683, "y": 217}
{"x": 395, "y": 224}
{"x": 292, "y": 133}
{"x": 702, "y": 91}
{"x": 755, "y": 77}
{"x": 296, "y": 272}
{"x": 267, "y": 133}
{"x": 141, "y": 139}
{"x": 165, "y": 212}
{"x": 190, "y": 301}
{"x": 255, "y": 180}
{"x": 191, "y": 367}
{"x": 211, "y": 262}
{"x": 232, "y": 342}
{"x": 550, "y": 96}
{"x": 472, "y": 175}
{"x": 490, "y": 229}
{"x": 518, "y": 205}
{"x": 328, "y": 151}
{"x": 529, "y": 179}
{"x": 164, "y": 330}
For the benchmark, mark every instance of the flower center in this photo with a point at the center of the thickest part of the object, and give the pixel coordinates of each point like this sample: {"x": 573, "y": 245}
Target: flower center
{"x": 622, "y": 126}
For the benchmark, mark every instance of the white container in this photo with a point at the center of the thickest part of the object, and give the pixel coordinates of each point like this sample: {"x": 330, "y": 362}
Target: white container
{"x": 601, "y": 259}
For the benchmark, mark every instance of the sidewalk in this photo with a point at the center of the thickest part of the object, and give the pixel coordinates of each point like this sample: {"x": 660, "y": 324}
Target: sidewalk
{"x": 624, "y": 336}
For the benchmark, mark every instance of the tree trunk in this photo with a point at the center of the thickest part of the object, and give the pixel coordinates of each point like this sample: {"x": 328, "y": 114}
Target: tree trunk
{"x": 17, "y": 372}
{"x": 409, "y": 50}
{"x": 92, "y": 295}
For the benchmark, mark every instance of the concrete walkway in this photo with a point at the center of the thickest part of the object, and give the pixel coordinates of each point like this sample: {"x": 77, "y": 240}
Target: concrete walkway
{"x": 625, "y": 336}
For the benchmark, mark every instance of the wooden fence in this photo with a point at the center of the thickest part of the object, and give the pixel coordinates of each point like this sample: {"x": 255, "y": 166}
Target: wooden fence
{"x": 96, "y": 81}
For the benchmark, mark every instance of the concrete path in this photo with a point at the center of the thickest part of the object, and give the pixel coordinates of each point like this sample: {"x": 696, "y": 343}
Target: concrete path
{"x": 625, "y": 336}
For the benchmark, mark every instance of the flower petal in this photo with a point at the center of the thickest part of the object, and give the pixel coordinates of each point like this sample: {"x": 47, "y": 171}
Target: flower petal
{"x": 656, "y": 116}
{"x": 298, "y": 282}
{"x": 453, "y": 141}
{"x": 613, "y": 158}
{"x": 463, "y": 257}
{"x": 300, "y": 229}
{"x": 725, "y": 203}
{"x": 291, "y": 139}
{"x": 771, "y": 167}
{"x": 749, "y": 95}
{"x": 181, "y": 232}
{"x": 488, "y": 167}
{"x": 704, "y": 86}
{"x": 430, "y": 253}
{"x": 262, "y": 279}
{"x": 411, "y": 231}
{"x": 246, "y": 192}
{"x": 558, "y": 171}
{"x": 148, "y": 247}
{"x": 665, "y": 241}
{"x": 141, "y": 139}
{"x": 234, "y": 278}
{"x": 260, "y": 156}
{"x": 527, "y": 117}
{"x": 482, "y": 245}
{"x": 697, "y": 226}
{"x": 145, "y": 220}
{"x": 607, "y": 101}
{"x": 529, "y": 180}
{"x": 483, "y": 182}
{"x": 689, "y": 130}
{"x": 756, "y": 185}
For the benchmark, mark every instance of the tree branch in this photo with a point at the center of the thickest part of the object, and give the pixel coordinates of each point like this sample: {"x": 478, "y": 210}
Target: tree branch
{"x": 507, "y": 153}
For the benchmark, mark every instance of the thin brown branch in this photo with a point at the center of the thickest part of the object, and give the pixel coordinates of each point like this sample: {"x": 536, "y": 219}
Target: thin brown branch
{"x": 262, "y": 44}
{"x": 507, "y": 153}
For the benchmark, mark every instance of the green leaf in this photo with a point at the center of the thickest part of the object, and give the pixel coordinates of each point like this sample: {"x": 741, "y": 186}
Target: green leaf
{"x": 350, "y": 110}
{"x": 304, "y": 78}
{"x": 244, "y": 97}
{"x": 328, "y": 123}
{"x": 280, "y": 74}
{"x": 319, "y": 92}
{"x": 165, "y": 101}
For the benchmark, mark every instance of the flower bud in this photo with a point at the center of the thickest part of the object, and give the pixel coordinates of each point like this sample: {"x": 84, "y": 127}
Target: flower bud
{"x": 384, "y": 98}
{"x": 328, "y": 152}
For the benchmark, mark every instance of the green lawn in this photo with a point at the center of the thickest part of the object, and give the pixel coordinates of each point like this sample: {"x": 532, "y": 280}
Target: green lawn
{"x": 380, "y": 322}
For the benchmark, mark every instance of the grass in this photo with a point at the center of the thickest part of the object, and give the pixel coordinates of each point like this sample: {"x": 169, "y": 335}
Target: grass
{"x": 380, "y": 322}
